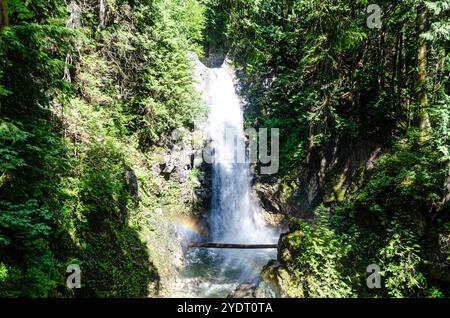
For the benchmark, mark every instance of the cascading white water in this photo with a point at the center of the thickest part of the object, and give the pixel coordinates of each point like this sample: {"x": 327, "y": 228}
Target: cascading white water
{"x": 234, "y": 216}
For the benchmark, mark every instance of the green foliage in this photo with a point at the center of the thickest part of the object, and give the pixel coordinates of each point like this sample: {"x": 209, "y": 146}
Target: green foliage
{"x": 217, "y": 14}
{"x": 407, "y": 179}
{"x": 79, "y": 107}
{"x": 156, "y": 86}
{"x": 315, "y": 70}
{"x": 386, "y": 225}
{"x": 317, "y": 265}
{"x": 404, "y": 195}
{"x": 400, "y": 261}
{"x": 31, "y": 160}
{"x": 83, "y": 104}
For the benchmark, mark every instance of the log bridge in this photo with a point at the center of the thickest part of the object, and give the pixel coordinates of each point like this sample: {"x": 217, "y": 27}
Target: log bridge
{"x": 235, "y": 246}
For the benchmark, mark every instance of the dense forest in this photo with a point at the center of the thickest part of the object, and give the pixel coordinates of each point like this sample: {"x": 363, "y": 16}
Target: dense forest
{"x": 91, "y": 90}
{"x": 338, "y": 89}
{"x": 86, "y": 90}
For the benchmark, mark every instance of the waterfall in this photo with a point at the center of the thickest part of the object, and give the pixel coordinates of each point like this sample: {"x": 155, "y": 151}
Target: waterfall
{"x": 234, "y": 216}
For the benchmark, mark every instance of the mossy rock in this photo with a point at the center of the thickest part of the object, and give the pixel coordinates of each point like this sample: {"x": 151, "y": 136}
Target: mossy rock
{"x": 288, "y": 246}
{"x": 275, "y": 279}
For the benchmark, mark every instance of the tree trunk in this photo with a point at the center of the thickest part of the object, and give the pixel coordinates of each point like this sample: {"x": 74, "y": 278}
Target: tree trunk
{"x": 3, "y": 15}
{"x": 396, "y": 63}
{"x": 400, "y": 68}
{"x": 383, "y": 56}
{"x": 234, "y": 246}
{"x": 74, "y": 22}
{"x": 446, "y": 198}
{"x": 102, "y": 14}
{"x": 424, "y": 120}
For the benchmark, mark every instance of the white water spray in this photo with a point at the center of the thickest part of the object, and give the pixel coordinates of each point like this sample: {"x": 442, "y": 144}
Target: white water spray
{"x": 234, "y": 217}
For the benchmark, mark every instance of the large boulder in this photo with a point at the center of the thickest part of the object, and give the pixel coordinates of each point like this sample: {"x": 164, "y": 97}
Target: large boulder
{"x": 244, "y": 290}
{"x": 275, "y": 281}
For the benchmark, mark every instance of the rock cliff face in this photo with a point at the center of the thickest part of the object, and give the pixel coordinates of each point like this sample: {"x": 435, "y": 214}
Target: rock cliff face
{"x": 180, "y": 164}
{"x": 331, "y": 173}
{"x": 438, "y": 254}
{"x": 181, "y": 186}
{"x": 187, "y": 186}
{"x": 273, "y": 283}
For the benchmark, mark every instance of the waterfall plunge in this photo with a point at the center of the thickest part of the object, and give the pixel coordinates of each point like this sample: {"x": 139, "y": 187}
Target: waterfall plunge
{"x": 234, "y": 216}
